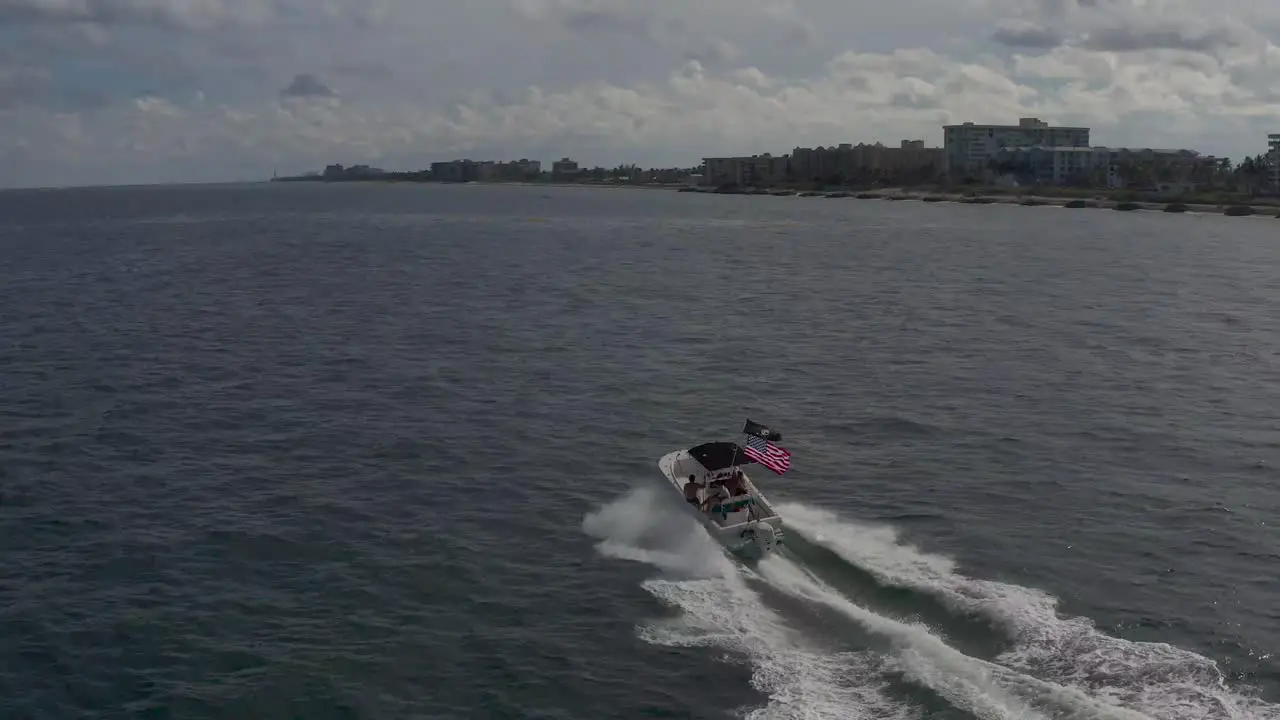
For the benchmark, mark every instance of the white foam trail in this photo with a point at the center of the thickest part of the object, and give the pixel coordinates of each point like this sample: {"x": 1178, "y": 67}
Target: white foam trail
{"x": 720, "y": 610}
{"x": 800, "y": 682}
{"x": 1154, "y": 678}
{"x": 985, "y": 689}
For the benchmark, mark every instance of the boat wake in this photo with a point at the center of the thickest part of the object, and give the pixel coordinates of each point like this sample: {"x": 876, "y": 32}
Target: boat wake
{"x": 719, "y": 610}
{"x": 1049, "y": 667}
{"x": 1155, "y": 678}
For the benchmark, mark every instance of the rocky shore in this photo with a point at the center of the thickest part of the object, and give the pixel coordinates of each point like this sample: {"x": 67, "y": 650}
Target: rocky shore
{"x": 1235, "y": 210}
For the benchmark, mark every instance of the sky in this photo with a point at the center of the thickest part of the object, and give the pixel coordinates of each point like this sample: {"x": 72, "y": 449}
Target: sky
{"x": 148, "y": 91}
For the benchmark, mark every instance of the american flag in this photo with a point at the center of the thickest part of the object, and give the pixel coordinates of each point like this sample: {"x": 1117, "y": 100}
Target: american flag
{"x": 767, "y": 454}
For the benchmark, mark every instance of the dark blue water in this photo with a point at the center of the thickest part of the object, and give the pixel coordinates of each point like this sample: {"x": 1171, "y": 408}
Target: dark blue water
{"x": 389, "y": 452}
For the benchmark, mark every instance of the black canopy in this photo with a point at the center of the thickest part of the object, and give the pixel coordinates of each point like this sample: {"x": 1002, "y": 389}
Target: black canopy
{"x": 719, "y": 455}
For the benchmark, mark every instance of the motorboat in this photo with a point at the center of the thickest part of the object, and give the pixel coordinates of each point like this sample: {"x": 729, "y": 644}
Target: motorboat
{"x": 723, "y": 497}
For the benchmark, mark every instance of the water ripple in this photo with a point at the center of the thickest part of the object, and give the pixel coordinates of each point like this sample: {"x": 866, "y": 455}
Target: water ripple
{"x": 323, "y": 451}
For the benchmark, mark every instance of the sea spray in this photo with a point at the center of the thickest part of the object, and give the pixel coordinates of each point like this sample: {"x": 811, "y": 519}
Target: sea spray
{"x": 718, "y": 609}
{"x": 1154, "y": 678}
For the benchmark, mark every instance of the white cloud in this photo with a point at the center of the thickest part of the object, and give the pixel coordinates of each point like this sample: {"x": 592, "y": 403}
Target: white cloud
{"x": 188, "y": 14}
{"x": 192, "y": 90}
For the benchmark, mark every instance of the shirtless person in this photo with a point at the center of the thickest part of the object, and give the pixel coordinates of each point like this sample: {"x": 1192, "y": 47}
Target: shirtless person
{"x": 691, "y": 491}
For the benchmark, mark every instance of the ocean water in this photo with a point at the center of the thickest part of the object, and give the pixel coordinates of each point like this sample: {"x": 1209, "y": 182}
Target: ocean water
{"x": 326, "y": 451}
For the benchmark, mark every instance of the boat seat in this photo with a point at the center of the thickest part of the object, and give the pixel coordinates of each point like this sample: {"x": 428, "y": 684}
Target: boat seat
{"x": 735, "y": 504}
{"x": 738, "y": 510}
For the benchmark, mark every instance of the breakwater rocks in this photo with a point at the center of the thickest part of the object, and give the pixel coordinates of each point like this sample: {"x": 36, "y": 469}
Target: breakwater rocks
{"x": 1000, "y": 199}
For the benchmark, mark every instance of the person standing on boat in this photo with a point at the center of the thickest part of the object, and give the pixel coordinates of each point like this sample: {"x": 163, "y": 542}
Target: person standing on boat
{"x": 691, "y": 490}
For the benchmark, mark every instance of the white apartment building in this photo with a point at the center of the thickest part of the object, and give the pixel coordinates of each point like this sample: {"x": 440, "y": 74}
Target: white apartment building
{"x": 1093, "y": 165}
{"x": 968, "y": 148}
{"x": 1059, "y": 165}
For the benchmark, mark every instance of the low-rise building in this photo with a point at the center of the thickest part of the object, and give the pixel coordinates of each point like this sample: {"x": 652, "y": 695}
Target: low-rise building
{"x": 910, "y": 162}
{"x": 1052, "y": 165}
{"x": 1098, "y": 166}
{"x": 521, "y": 170}
{"x": 752, "y": 171}
{"x": 664, "y": 176}
{"x": 485, "y": 170}
{"x": 455, "y": 171}
{"x": 338, "y": 172}
{"x": 565, "y": 169}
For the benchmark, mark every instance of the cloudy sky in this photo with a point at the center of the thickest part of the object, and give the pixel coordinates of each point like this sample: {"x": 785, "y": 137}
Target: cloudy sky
{"x": 120, "y": 91}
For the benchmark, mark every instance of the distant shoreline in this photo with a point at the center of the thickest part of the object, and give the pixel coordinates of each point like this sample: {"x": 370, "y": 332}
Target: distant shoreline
{"x": 1256, "y": 206}
{"x": 521, "y": 183}
{"x": 1232, "y": 206}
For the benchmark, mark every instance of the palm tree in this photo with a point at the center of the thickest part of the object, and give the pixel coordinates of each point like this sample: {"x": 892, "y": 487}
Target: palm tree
{"x": 1251, "y": 174}
{"x": 1136, "y": 171}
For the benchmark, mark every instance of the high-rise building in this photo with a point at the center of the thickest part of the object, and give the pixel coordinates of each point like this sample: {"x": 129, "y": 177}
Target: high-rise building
{"x": 1273, "y": 161}
{"x": 968, "y": 148}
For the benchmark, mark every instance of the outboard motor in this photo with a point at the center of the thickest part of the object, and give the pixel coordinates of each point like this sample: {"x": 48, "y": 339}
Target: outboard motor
{"x": 763, "y": 536}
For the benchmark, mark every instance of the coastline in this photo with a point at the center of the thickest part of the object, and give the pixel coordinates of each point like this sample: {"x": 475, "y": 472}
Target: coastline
{"x": 1243, "y": 207}
{"x": 1231, "y": 206}
{"x": 518, "y": 183}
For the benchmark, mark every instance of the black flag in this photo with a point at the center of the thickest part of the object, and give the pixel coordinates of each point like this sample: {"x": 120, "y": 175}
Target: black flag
{"x": 760, "y": 431}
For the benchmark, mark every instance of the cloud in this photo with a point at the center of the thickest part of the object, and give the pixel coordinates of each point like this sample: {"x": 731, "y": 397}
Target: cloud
{"x": 194, "y": 14}
{"x": 19, "y": 83}
{"x": 716, "y": 51}
{"x": 1024, "y": 34}
{"x": 373, "y": 71}
{"x": 590, "y": 16}
{"x": 1123, "y": 26}
{"x": 1130, "y": 39}
{"x": 307, "y": 85}
{"x": 156, "y": 91}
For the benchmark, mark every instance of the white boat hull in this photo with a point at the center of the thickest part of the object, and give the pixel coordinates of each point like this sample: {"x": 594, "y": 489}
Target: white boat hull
{"x": 751, "y": 532}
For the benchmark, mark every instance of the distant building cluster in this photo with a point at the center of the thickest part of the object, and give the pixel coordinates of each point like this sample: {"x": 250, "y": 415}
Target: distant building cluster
{"x": 486, "y": 170}
{"x": 1029, "y": 153}
{"x": 1034, "y": 152}
{"x": 564, "y": 170}
{"x": 910, "y": 162}
{"x": 335, "y": 172}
